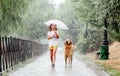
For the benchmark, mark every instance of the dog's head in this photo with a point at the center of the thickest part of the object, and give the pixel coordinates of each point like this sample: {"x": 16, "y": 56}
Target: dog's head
{"x": 68, "y": 42}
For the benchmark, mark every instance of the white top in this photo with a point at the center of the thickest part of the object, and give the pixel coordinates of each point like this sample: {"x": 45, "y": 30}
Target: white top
{"x": 53, "y": 41}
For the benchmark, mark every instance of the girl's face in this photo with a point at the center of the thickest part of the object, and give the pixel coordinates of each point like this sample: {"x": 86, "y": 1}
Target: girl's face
{"x": 53, "y": 27}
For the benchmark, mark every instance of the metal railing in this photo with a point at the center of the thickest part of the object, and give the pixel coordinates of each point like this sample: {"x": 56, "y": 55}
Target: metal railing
{"x": 15, "y": 50}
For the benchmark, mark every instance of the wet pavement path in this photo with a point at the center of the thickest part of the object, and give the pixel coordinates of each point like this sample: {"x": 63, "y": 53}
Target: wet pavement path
{"x": 42, "y": 67}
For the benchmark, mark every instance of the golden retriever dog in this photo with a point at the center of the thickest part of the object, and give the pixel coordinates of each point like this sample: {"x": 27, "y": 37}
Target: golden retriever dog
{"x": 68, "y": 52}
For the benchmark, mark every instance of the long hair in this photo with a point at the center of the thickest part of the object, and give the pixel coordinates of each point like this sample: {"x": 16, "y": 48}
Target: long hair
{"x": 50, "y": 29}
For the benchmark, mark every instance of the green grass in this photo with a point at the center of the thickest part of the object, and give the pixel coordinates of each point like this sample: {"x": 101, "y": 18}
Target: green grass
{"x": 113, "y": 72}
{"x": 109, "y": 70}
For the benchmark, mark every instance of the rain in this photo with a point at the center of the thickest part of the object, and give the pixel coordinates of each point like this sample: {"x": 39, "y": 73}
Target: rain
{"x": 92, "y": 26}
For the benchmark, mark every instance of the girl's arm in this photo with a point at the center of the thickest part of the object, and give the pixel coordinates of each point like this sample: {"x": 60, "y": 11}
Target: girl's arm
{"x": 49, "y": 37}
{"x": 57, "y": 35}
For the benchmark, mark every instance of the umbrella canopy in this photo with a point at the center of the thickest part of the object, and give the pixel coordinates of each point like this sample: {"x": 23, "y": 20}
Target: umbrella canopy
{"x": 59, "y": 24}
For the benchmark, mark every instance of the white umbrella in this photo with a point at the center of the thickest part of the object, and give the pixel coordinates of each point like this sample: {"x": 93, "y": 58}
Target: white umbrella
{"x": 59, "y": 24}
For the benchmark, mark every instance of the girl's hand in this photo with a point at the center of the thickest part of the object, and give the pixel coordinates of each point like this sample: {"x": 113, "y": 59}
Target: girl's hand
{"x": 57, "y": 35}
{"x": 50, "y": 37}
{"x": 55, "y": 32}
{"x": 54, "y": 35}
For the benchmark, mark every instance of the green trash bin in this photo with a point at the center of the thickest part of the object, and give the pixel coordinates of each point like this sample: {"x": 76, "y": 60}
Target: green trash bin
{"x": 104, "y": 54}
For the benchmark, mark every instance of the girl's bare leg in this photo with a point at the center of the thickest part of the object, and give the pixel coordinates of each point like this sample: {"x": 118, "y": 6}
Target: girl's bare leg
{"x": 51, "y": 55}
{"x": 54, "y": 55}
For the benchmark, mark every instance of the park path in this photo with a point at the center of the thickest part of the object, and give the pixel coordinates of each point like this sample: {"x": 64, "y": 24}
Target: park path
{"x": 41, "y": 67}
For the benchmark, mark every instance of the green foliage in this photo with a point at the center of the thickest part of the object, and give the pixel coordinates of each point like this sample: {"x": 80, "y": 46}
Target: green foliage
{"x": 10, "y": 14}
{"x": 115, "y": 36}
{"x": 84, "y": 18}
{"x": 39, "y": 11}
{"x": 90, "y": 39}
{"x": 93, "y": 13}
{"x": 71, "y": 20}
{"x": 113, "y": 72}
{"x": 25, "y": 18}
{"x": 81, "y": 31}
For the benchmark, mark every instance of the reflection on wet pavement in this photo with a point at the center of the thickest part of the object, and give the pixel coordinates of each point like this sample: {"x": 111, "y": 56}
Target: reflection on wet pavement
{"x": 41, "y": 67}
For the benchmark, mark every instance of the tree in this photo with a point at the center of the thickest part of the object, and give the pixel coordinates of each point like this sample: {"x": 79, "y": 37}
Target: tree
{"x": 10, "y": 14}
{"x": 91, "y": 14}
{"x": 94, "y": 11}
{"x": 66, "y": 14}
{"x": 39, "y": 11}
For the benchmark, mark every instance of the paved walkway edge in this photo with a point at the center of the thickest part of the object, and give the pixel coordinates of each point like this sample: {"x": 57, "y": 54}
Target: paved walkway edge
{"x": 96, "y": 68}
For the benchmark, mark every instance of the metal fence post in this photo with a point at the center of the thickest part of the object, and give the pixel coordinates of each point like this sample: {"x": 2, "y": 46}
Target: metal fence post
{"x": 0, "y": 56}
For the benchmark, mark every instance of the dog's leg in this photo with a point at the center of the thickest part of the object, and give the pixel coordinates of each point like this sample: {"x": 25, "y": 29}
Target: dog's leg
{"x": 71, "y": 59}
{"x": 65, "y": 60}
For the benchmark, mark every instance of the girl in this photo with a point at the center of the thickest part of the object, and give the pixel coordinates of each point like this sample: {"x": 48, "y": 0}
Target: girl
{"x": 53, "y": 36}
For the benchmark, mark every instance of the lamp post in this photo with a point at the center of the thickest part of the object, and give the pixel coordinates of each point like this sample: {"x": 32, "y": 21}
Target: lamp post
{"x": 104, "y": 51}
